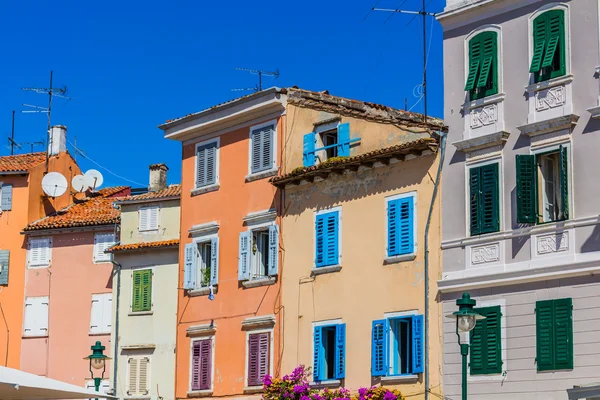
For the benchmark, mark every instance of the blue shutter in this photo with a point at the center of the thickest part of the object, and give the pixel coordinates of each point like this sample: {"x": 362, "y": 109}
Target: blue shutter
{"x": 308, "y": 152}
{"x": 244, "y": 257}
{"x": 317, "y": 354}
{"x": 6, "y": 197}
{"x": 332, "y": 235}
{"x": 273, "y": 258}
{"x": 320, "y": 240}
{"x": 214, "y": 261}
{"x": 4, "y": 261}
{"x": 379, "y": 347}
{"x": 392, "y": 215}
{"x": 406, "y": 238}
{"x": 340, "y": 351}
{"x": 189, "y": 268}
{"x": 417, "y": 344}
{"x": 344, "y": 140}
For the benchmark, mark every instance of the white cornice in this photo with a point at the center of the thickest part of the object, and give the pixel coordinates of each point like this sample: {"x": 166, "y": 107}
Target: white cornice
{"x": 208, "y": 228}
{"x": 201, "y": 330}
{"x": 263, "y": 321}
{"x": 260, "y": 217}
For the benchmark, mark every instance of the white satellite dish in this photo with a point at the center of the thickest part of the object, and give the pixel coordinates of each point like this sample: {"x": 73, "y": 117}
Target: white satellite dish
{"x": 79, "y": 183}
{"x": 93, "y": 179}
{"x": 54, "y": 184}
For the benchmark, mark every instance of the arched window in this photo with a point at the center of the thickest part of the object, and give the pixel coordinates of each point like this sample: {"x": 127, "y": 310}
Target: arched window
{"x": 549, "y": 46}
{"x": 482, "y": 80}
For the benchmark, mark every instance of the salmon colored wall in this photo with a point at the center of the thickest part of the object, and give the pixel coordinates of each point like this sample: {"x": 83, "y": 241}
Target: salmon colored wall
{"x": 232, "y": 304}
{"x": 69, "y": 282}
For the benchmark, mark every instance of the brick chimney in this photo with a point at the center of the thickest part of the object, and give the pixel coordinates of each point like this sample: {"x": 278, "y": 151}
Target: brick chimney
{"x": 158, "y": 177}
{"x": 57, "y": 140}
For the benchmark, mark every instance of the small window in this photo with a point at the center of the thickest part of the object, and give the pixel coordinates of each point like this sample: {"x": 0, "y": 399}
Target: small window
{"x": 329, "y": 352}
{"x": 201, "y": 377}
{"x": 6, "y": 194}
{"x": 484, "y": 199}
{"x": 327, "y": 239}
{"x": 262, "y": 150}
{"x": 101, "y": 313}
{"x": 397, "y": 346}
{"x": 4, "y": 264}
{"x": 327, "y": 142}
{"x": 549, "y": 46}
{"x": 148, "y": 218}
{"x": 204, "y": 263}
{"x": 329, "y": 139}
{"x": 258, "y": 255}
{"x": 142, "y": 290}
{"x": 554, "y": 333}
{"x": 482, "y": 80}
{"x": 201, "y": 268}
{"x": 486, "y": 343}
{"x": 36, "y": 316}
{"x": 138, "y": 376}
{"x": 102, "y": 242}
{"x": 39, "y": 252}
{"x": 400, "y": 225}
{"x": 207, "y": 164}
{"x": 259, "y": 357}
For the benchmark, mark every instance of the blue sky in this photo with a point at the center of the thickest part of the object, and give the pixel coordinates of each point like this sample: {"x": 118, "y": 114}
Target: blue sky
{"x": 131, "y": 65}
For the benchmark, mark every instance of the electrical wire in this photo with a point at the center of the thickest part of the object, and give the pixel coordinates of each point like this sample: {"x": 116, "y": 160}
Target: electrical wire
{"x": 418, "y": 89}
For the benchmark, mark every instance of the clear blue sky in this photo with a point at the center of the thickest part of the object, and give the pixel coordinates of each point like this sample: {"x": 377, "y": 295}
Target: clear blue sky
{"x": 130, "y": 65}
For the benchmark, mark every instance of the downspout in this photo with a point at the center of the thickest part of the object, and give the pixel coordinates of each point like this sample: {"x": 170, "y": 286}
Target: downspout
{"x": 442, "y": 151}
{"x": 116, "y": 343}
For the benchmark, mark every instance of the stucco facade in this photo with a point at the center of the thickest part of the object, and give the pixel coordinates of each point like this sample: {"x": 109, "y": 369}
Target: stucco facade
{"x": 519, "y": 260}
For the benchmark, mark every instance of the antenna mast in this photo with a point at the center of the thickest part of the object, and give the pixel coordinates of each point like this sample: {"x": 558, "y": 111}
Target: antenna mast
{"x": 260, "y": 74}
{"x": 12, "y": 135}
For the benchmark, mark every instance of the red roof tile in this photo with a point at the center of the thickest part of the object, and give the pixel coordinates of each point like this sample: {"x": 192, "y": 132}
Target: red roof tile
{"x": 173, "y": 191}
{"x": 21, "y": 162}
{"x": 143, "y": 246}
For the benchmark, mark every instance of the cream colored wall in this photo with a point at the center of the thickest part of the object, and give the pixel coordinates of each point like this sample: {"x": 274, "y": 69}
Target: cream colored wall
{"x": 168, "y": 221}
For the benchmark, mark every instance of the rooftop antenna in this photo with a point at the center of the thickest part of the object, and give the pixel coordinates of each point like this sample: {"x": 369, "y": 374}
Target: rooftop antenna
{"x": 423, "y": 12}
{"x": 51, "y": 92}
{"x": 12, "y": 135}
{"x": 260, "y": 74}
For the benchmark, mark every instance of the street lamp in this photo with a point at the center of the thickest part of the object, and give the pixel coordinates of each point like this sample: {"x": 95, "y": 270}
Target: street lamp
{"x": 97, "y": 362}
{"x": 466, "y": 318}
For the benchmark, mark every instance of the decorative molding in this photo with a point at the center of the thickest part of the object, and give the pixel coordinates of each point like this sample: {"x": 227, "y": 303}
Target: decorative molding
{"x": 394, "y": 380}
{"x": 325, "y": 270}
{"x": 201, "y": 330}
{"x": 482, "y": 142}
{"x": 261, "y": 175}
{"x": 595, "y": 111}
{"x": 145, "y": 346}
{"x": 485, "y": 254}
{"x": 253, "y": 389}
{"x": 484, "y": 116}
{"x": 399, "y": 259}
{"x": 553, "y": 243}
{"x": 332, "y": 383}
{"x": 550, "y": 98}
{"x": 205, "y": 189}
{"x": 263, "y": 321}
{"x": 200, "y": 393}
{"x": 565, "y": 122}
{"x": 208, "y": 228}
{"x": 266, "y": 281}
{"x": 494, "y": 99}
{"x": 560, "y": 81}
{"x": 205, "y": 291}
{"x": 260, "y": 217}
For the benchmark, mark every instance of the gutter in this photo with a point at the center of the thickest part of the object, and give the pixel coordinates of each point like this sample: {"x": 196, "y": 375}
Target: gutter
{"x": 116, "y": 343}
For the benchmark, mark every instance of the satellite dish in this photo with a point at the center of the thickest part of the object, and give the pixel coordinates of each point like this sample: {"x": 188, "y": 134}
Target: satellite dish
{"x": 54, "y": 184}
{"x": 79, "y": 183}
{"x": 93, "y": 179}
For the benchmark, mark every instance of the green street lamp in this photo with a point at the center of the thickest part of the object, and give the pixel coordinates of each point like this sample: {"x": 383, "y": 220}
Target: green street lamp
{"x": 466, "y": 318}
{"x": 97, "y": 362}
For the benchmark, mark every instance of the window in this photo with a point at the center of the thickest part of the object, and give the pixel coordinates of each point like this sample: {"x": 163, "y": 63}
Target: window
{"x": 258, "y": 253}
{"x": 39, "y": 252}
{"x": 36, "y": 316}
{"x": 102, "y": 242}
{"x": 148, "y": 218}
{"x": 326, "y": 142}
{"x": 138, "y": 376}
{"x": 207, "y": 163}
{"x": 259, "y": 357}
{"x": 4, "y": 262}
{"x": 6, "y": 191}
{"x": 486, "y": 343}
{"x": 400, "y": 225}
{"x": 542, "y": 187}
{"x": 142, "y": 290}
{"x": 329, "y": 360}
{"x": 262, "y": 140}
{"x": 554, "y": 330}
{"x": 201, "y": 376}
{"x": 201, "y": 268}
{"x": 484, "y": 202}
{"x": 482, "y": 80}
{"x": 327, "y": 239}
{"x": 549, "y": 46}
{"x": 101, "y": 313}
{"x": 397, "y": 346}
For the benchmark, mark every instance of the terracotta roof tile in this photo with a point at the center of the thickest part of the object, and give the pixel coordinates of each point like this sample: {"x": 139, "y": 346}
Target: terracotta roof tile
{"x": 21, "y": 162}
{"x": 143, "y": 246}
{"x": 94, "y": 210}
{"x": 173, "y": 191}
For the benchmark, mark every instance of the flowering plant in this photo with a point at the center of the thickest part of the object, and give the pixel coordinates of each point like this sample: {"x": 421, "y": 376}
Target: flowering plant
{"x": 296, "y": 386}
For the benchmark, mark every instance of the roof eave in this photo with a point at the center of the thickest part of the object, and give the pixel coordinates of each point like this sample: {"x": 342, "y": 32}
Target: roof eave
{"x": 152, "y": 200}
{"x": 68, "y": 229}
{"x": 23, "y": 172}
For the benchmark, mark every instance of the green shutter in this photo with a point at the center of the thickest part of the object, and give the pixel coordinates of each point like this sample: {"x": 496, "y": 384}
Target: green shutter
{"x": 474, "y": 200}
{"x": 526, "y": 189}
{"x": 486, "y": 343}
{"x": 483, "y": 65}
{"x": 564, "y": 182}
{"x": 474, "y": 61}
{"x": 484, "y": 201}
{"x": 137, "y": 291}
{"x": 549, "y": 45}
{"x": 142, "y": 290}
{"x": 554, "y": 328}
{"x": 539, "y": 43}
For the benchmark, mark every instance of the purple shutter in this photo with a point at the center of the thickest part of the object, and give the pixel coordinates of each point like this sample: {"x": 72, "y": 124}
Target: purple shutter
{"x": 196, "y": 356}
{"x": 263, "y": 356}
{"x": 201, "y": 364}
{"x": 253, "y": 351}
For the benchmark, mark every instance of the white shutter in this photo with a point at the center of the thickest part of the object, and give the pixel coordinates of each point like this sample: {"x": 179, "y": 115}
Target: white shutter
{"x": 144, "y": 376}
{"x": 102, "y": 242}
{"x": 36, "y": 316}
{"x": 143, "y": 226}
{"x": 153, "y": 218}
{"x": 96, "y": 314}
{"x": 101, "y": 313}
{"x": 148, "y": 218}
{"x": 29, "y": 320}
{"x": 132, "y": 378}
{"x": 40, "y": 250}
{"x": 107, "y": 312}
{"x": 138, "y": 380}
{"x": 42, "y": 316}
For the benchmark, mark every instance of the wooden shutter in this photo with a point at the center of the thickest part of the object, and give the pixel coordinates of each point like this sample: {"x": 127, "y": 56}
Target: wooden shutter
{"x": 308, "y": 150}
{"x": 401, "y": 226}
{"x": 201, "y": 178}
{"x": 539, "y": 43}
{"x": 211, "y": 163}
{"x": 379, "y": 347}
{"x": 490, "y": 204}
{"x": 39, "y": 251}
{"x": 475, "y": 51}
{"x": 254, "y": 359}
{"x": 564, "y": 182}
{"x": 244, "y": 256}
{"x": 263, "y": 355}
{"x": 257, "y": 147}
{"x": 343, "y": 132}
{"x": 267, "y": 147}
{"x": 273, "y": 258}
{"x": 526, "y": 189}
{"x": 214, "y": 261}
{"x": 486, "y": 343}
{"x": 317, "y": 353}
{"x": 201, "y": 364}
{"x": 6, "y": 194}
{"x": 554, "y": 36}
{"x": 340, "y": 351}
{"x": 132, "y": 379}
{"x": 106, "y": 312}
{"x": 4, "y": 264}
{"x": 417, "y": 344}
{"x": 146, "y": 290}
{"x": 144, "y": 223}
{"x": 196, "y": 368}
{"x": 190, "y": 267}
{"x": 563, "y": 333}
{"x": 36, "y": 316}
{"x": 153, "y": 218}
{"x": 144, "y": 376}
{"x": 544, "y": 315}
{"x": 475, "y": 200}
{"x": 102, "y": 242}
{"x": 96, "y": 314}
{"x": 489, "y": 61}
{"x": 332, "y": 232}
{"x": 320, "y": 239}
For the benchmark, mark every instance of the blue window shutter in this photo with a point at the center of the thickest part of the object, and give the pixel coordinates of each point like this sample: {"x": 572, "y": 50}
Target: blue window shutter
{"x": 320, "y": 241}
{"x": 273, "y": 250}
{"x": 4, "y": 261}
{"x": 417, "y": 350}
{"x": 340, "y": 351}
{"x": 406, "y": 237}
{"x": 379, "y": 347}
{"x": 189, "y": 268}
{"x": 6, "y": 199}
{"x": 317, "y": 354}
{"x": 332, "y": 235}
{"x": 214, "y": 261}
{"x": 244, "y": 257}
{"x": 308, "y": 152}
{"x": 344, "y": 140}
{"x": 393, "y": 248}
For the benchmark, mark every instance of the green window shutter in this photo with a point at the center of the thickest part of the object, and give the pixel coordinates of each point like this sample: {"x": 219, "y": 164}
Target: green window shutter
{"x": 486, "y": 343}
{"x": 549, "y": 45}
{"x": 490, "y": 204}
{"x": 488, "y": 78}
{"x": 136, "y": 304}
{"x": 564, "y": 182}
{"x": 474, "y": 61}
{"x": 563, "y": 334}
{"x": 539, "y": 43}
{"x": 476, "y": 352}
{"x": 146, "y": 302}
{"x": 526, "y": 189}
{"x": 544, "y": 317}
{"x": 474, "y": 200}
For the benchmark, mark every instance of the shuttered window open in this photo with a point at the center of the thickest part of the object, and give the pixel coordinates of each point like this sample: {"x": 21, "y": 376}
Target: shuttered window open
{"x": 262, "y": 141}
{"x": 400, "y": 219}
{"x": 482, "y": 80}
{"x": 554, "y": 334}
{"x": 484, "y": 201}
{"x": 206, "y": 164}
{"x": 329, "y": 351}
{"x": 486, "y": 343}
{"x": 327, "y": 239}
{"x": 201, "y": 364}
{"x": 142, "y": 290}
{"x": 4, "y": 264}
{"x": 102, "y": 242}
{"x": 549, "y": 46}
{"x": 258, "y": 357}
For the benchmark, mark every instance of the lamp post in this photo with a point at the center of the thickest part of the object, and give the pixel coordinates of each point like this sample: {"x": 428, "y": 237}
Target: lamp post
{"x": 466, "y": 318}
{"x": 97, "y": 362}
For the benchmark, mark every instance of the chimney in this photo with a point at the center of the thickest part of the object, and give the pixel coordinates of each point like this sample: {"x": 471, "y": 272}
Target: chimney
{"x": 57, "y": 140}
{"x": 158, "y": 177}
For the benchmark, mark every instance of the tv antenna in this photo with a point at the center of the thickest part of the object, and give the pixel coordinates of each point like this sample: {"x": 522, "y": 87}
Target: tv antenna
{"x": 423, "y": 12}
{"x": 260, "y": 74}
{"x": 51, "y": 92}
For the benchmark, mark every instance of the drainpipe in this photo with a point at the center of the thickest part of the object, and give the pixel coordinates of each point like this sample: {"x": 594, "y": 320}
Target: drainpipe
{"x": 116, "y": 343}
{"x": 426, "y": 242}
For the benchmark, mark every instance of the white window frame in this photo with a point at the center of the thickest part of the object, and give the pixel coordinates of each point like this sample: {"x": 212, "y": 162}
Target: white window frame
{"x": 402, "y": 257}
{"x": 321, "y": 155}
{"x": 42, "y": 300}
{"x": 274, "y": 141}
{"x": 141, "y": 268}
{"x": 148, "y": 377}
{"x": 271, "y": 341}
{"x": 212, "y": 367}
{"x": 108, "y": 257}
{"x": 150, "y": 230}
{"x": 196, "y": 242}
{"x": 258, "y": 227}
{"x": 329, "y": 322}
{"x": 103, "y": 329}
{"x": 43, "y": 264}
{"x": 340, "y": 241}
{"x": 216, "y": 140}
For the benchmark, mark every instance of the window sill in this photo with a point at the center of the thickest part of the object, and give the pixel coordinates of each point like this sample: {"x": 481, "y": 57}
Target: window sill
{"x": 253, "y": 389}
{"x": 35, "y": 336}
{"x": 325, "y": 270}
{"x": 205, "y": 189}
{"x": 262, "y": 174}
{"x": 205, "y": 291}
{"x": 135, "y": 313}
{"x": 399, "y": 259}
{"x": 200, "y": 393}
{"x": 138, "y": 397}
{"x": 334, "y": 383}
{"x": 99, "y": 333}
{"x": 494, "y": 98}
{"x": 393, "y": 380}
{"x": 38, "y": 266}
{"x": 561, "y": 80}
{"x": 266, "y": 281}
